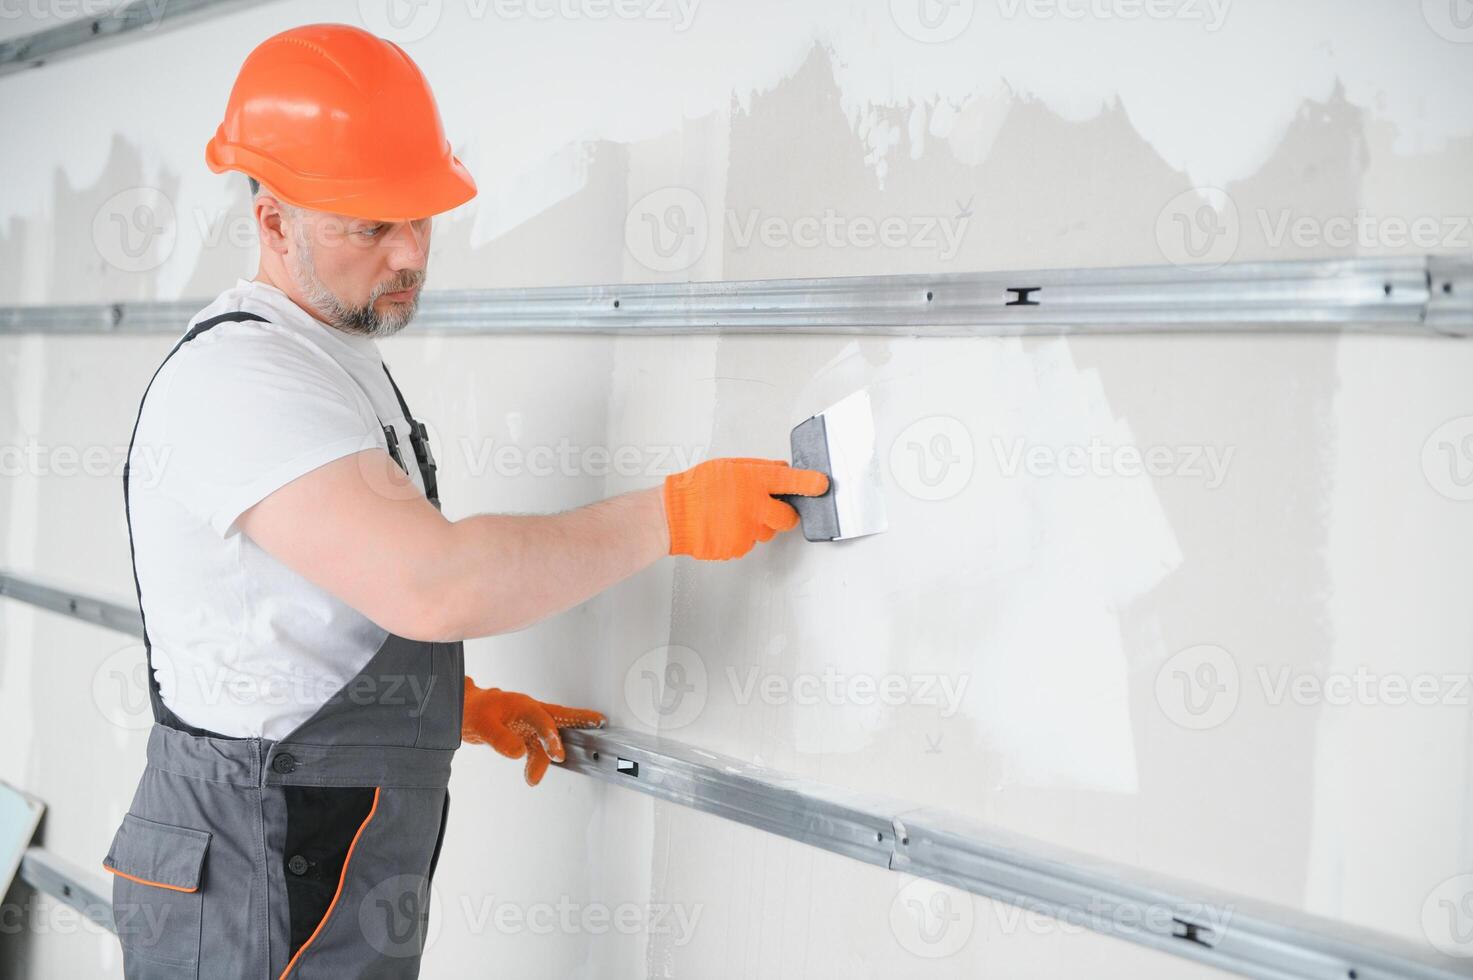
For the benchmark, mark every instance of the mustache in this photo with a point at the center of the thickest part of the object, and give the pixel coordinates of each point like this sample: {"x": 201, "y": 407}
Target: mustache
{"x": 409, "y": 280}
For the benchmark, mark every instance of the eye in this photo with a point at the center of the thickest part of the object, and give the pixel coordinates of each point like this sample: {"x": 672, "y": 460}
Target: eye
{"x": 372, "y": 231}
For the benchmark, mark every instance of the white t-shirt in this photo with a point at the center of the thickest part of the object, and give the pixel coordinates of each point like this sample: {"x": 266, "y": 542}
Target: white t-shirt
{"x": 242, "y": 645}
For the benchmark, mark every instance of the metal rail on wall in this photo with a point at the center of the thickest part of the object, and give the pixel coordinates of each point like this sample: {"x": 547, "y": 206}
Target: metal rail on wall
{"x": 1426, "y": 295}
{"x": 1182, "y": 918}
{"x": 127, "y": 20}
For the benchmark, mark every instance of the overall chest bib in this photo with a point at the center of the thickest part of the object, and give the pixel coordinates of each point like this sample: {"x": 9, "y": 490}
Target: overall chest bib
{"x": 308, "y": 856}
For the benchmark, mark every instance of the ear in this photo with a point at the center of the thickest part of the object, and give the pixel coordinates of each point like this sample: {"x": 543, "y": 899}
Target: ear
{"x": 271, "y": 219}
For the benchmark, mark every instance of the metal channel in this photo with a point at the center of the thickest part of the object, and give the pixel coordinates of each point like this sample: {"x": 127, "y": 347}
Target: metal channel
{"x": 69, "y": 602}
{"x": 1250, "y": 938}
{"x": 1406, "y": 294}
{"x": 64, "y": 881}
{"x": 136, "y": 19}
{"x": 1230, "y": 932}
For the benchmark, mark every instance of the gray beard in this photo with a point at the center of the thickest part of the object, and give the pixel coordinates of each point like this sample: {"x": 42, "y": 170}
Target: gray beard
{"x": 363, "y": 320}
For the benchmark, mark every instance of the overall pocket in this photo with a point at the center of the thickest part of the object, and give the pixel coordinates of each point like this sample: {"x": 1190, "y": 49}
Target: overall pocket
{"x": 157, "y": 869}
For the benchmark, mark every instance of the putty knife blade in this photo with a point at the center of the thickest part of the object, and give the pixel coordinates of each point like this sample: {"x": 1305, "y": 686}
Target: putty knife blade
{"x": 840, "y": 441}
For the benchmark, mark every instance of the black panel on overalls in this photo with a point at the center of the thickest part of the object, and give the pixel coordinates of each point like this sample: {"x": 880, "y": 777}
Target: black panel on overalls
{"x": 309, "y": 856}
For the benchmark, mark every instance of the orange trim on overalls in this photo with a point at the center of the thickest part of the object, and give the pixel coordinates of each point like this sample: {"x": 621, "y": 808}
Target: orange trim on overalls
{"x": 145, "y": 881}
{"x": 342, "y": 878}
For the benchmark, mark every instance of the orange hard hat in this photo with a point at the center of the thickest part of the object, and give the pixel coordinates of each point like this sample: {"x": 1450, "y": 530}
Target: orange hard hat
{"x": 332, "y": 118}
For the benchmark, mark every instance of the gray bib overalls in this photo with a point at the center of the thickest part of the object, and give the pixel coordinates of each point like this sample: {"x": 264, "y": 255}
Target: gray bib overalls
{"x": 307, "y": 857}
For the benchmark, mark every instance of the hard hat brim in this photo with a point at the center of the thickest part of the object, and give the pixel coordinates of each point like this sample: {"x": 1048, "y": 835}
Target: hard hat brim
{"x": 436, "y": 190}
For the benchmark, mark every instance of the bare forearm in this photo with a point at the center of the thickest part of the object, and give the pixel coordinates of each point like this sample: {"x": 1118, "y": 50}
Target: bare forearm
{"x": 502, "y": 572}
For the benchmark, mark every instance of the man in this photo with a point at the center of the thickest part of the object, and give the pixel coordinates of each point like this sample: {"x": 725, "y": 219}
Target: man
{"x": 304, "y": 598}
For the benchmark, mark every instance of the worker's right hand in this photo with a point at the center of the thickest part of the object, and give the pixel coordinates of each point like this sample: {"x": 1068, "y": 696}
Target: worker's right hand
{"x": 722, "y": 507}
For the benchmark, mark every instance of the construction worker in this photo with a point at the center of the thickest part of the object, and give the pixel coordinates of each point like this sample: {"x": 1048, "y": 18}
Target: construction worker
{"x": 304, "y": 600}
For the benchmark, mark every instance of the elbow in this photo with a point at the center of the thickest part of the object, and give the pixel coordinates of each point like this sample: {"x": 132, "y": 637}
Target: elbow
{"x": 448, "y": 609}
{"x": 445, "y": 593}
{"x": 430, "y": 610}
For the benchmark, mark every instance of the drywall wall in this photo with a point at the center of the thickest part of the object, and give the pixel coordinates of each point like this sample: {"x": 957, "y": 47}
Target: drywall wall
{"x": 1149, "y": 667}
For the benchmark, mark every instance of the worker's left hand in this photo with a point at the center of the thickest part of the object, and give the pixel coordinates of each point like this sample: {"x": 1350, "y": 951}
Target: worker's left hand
{"x": 516, "y": 725}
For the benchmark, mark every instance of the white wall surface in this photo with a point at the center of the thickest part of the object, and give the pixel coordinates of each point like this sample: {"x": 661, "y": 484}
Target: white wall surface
{"x": 1098, "y": 660}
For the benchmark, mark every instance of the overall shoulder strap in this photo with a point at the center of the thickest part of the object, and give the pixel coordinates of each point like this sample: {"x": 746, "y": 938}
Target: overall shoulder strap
{"x": 161, "y": 712}
{"x": 420, "y": 439}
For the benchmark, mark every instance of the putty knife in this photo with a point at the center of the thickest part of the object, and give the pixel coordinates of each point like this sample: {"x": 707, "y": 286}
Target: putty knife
{"x": 840, "y": 441}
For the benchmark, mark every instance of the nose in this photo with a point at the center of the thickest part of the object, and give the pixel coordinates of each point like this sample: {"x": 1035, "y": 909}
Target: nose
{"x": 411, "y": 244}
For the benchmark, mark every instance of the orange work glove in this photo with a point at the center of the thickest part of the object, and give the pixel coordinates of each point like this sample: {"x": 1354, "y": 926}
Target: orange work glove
{"x": 722, "y": 507}
{"x": 516, "y": 725}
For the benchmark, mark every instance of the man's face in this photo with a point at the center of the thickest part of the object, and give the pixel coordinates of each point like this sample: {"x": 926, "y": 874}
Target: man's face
{"x": 361, "y": 276}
